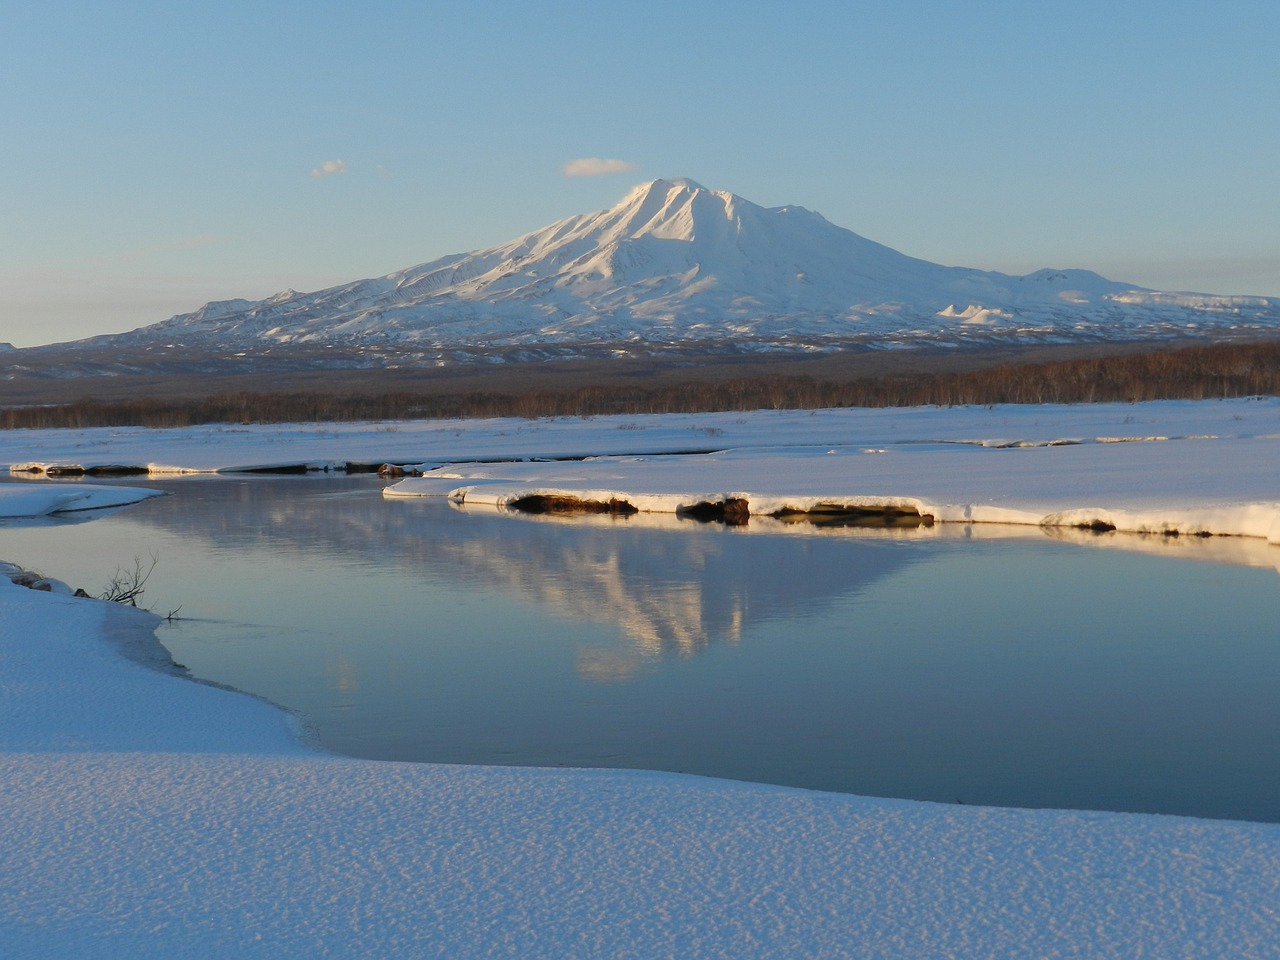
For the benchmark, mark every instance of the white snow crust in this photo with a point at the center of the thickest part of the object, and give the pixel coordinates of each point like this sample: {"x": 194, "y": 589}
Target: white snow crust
{"x": 144, "y": 815}
{"x": 27, "y": 501}
{"x": 1163, "y": 467}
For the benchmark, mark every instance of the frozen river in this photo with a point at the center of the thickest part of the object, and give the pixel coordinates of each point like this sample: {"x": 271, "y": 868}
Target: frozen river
{"x": 986, "y": 666}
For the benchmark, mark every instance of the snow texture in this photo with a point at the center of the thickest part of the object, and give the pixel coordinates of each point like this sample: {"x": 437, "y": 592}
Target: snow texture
{"x": 1163, "y": 467}
{"x": 22, "y": 501}
{"x": 145, "y": 815}
{"x": 1192, "y": 486}
{"x": 674, "y": 263}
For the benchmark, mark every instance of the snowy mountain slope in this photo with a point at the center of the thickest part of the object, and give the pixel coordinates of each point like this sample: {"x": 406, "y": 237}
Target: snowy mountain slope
{"x": 673, "y": 262}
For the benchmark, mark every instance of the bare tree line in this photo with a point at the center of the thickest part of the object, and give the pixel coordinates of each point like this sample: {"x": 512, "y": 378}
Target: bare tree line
{"x": 1197, "y": 373}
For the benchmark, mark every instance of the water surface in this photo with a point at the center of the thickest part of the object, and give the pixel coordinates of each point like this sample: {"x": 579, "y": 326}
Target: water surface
{"x": 957, "y": 664}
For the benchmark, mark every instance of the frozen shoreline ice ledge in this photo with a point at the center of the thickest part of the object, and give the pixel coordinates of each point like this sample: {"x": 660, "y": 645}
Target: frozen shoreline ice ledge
{"x": 1184, "y": 483}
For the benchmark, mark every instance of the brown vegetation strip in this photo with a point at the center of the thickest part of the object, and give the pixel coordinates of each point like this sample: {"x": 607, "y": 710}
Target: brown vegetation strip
{"x": 1191, "y": 373}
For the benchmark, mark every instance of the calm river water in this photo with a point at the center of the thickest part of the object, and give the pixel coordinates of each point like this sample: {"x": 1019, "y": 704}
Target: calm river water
{"x": 974, "y": 665}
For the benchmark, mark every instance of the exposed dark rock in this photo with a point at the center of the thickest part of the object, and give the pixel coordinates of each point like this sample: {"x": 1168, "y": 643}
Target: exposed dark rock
{"x": 1097, "y": 526}
{"x": 76, "y": 470}
{"x": 542, "y": 503}
{"x": 841, "y": 515}
{"x": 734, "y": 511}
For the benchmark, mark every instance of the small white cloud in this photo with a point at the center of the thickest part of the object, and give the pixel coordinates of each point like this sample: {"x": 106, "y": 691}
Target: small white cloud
{"x": 328, "y": 168}
{"x": 595, "y": 167}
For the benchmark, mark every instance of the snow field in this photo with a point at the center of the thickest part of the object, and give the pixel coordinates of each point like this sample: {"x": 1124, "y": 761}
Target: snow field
{"x": 143, "y": 815}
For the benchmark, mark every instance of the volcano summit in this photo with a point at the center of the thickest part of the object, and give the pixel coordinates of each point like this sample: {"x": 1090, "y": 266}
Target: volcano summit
{"x": 677, "y": 269}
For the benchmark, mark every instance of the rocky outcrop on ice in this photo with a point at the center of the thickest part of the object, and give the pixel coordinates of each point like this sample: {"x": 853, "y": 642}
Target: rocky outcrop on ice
{"x": 674, "y": 264}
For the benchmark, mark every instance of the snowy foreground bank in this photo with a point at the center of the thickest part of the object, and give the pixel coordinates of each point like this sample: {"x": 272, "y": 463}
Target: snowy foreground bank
{"x": 144, "y": 815}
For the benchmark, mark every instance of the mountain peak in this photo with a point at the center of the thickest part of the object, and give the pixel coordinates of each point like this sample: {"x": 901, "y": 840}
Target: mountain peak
{"x": 677, "y": 209}
{"x": 679, "y": 183}
{"x": 662, "y": 191}
{"x": 666, "y": 185}
{"x": 674, "y": 265}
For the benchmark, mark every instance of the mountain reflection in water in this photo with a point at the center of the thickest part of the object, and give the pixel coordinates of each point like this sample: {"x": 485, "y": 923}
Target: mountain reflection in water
{"x": 668, "y": 584}
{"x": 988, "y": 664}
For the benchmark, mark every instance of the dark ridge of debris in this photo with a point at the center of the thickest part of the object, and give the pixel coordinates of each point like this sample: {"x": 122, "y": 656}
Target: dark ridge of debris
{"x": 75, "y": 470}
{"x": 1097, "y": 526}
{"x": 733, "y": 511}
{"x": 841, "y": 515}
{"x": 544, "y": 503}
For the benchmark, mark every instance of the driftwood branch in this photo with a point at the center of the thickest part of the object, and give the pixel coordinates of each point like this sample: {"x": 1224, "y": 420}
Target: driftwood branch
{"x": 128, "y": 583}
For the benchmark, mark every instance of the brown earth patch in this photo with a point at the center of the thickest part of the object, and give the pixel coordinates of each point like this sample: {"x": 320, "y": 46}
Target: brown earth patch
{"x": 840, "y": 515}
{"x": 546, "y": 503}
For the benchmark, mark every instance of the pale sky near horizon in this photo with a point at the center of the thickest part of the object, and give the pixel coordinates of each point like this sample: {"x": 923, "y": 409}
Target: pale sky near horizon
{"x": 157, "y": 155}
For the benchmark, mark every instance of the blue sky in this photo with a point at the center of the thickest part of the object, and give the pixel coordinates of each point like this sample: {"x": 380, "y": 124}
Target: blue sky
{"x": 159, "y": 155}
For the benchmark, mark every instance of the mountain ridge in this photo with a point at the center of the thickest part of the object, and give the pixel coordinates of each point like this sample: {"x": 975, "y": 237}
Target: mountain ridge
{"x": 674, "y": 265}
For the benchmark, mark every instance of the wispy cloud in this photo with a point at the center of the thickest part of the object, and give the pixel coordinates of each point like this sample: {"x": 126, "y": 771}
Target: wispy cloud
{"x": 328, "y": 168}
{"x": 596, "y": 166}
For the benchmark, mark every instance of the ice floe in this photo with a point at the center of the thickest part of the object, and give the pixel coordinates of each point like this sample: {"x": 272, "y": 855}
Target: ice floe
{"x": 38, "y": 500}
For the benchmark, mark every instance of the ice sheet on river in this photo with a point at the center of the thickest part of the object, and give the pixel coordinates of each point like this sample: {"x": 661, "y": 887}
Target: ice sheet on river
{"x": 40, "y": 500}
{"x": 1189, "y": 487}
{"x": 1172, "y": 482}
{"x": 1173, "y": 466}
{"x": 239, "y": 447}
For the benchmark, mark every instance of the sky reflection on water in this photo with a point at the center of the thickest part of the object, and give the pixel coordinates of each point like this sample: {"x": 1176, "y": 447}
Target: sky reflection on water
{"x": 980, "y": 665}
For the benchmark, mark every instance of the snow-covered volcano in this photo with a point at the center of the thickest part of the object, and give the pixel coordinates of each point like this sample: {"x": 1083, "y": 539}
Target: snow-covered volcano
{"x": 674, "y": 264}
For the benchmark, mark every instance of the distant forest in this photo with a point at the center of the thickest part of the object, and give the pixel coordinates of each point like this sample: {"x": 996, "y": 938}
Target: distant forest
{"x": 1195, "y": 373}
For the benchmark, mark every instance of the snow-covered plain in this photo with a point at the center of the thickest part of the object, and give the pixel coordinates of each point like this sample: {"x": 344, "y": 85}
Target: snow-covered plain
{"x": 144, "y": 815}
{"x": 1174, "y": 466}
